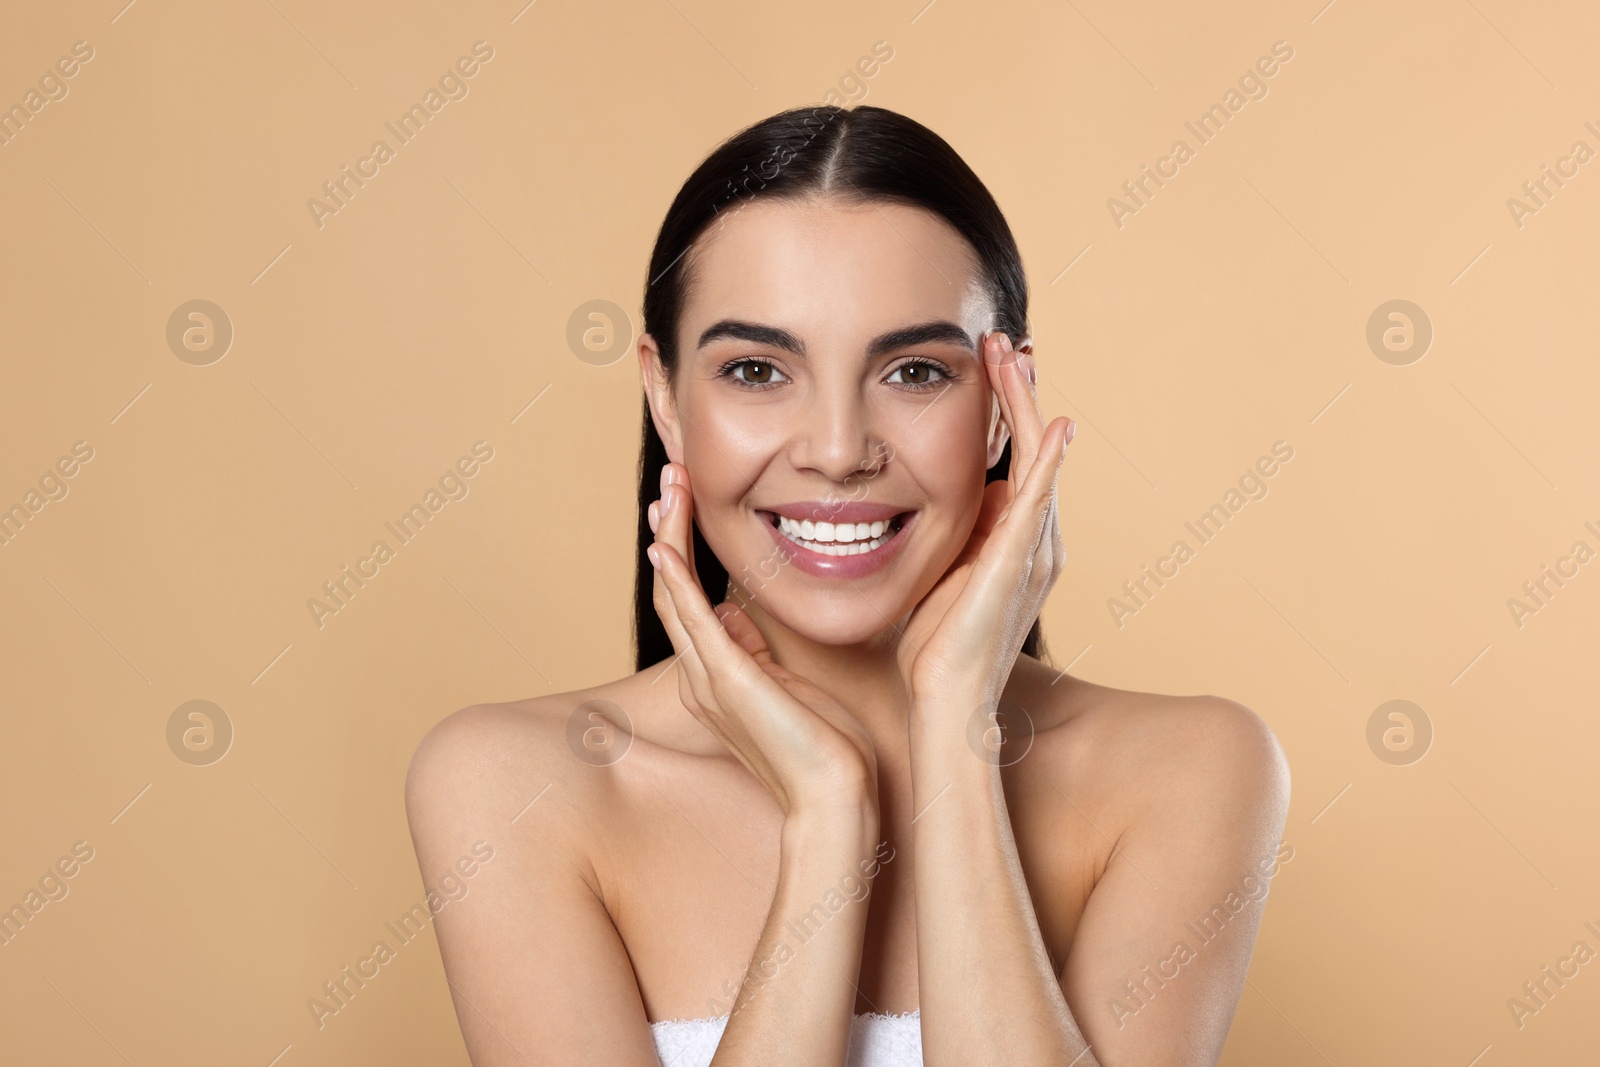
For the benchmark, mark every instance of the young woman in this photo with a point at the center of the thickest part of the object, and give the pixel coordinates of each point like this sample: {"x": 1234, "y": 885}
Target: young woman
{"x": 843, "y": 812}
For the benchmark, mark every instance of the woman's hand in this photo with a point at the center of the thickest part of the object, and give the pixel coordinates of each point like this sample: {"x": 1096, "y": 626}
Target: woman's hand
{"x": 963, "y": 638}
{"x": 960, "y": 646}
{"x": 806, "y": 748}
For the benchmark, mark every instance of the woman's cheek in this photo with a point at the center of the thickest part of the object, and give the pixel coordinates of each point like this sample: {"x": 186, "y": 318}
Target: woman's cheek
{"x": 724, "y": 447}
{"x": 945, "y": 450}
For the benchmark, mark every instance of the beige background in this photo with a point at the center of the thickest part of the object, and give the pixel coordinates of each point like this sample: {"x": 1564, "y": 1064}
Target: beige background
{"x": 1227, "y": 314}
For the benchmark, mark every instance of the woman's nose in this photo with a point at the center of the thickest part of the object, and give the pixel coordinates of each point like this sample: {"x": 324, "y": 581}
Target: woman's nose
{"x": 834, "y": 440}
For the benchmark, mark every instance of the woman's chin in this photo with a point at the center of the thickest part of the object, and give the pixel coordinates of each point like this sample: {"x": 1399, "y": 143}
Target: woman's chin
{"x": 828, "y": 621}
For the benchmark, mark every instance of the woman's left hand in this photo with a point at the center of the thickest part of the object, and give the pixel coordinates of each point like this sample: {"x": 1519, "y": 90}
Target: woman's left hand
{"x": 962, "y": 640}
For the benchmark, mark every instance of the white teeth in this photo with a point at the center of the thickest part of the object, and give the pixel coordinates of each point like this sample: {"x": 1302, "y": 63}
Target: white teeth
{"x": 831, "y": 539}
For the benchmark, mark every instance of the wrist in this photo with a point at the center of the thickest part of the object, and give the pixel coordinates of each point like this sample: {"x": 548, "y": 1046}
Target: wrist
{"x": 968, "y": 741}
{"x": 843, "y": 821}
{"x": 951, "y": 707}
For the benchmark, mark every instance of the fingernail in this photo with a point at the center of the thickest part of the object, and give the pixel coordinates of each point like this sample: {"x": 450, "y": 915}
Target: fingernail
{"x": 1033, "y": 372}
{"x": 653, "y": 514}
{"x": 1005, "y": 341}
{"x": 1072, "y": 428}
{"x": 667, "y": 476}
{"x": 650, "y": 551}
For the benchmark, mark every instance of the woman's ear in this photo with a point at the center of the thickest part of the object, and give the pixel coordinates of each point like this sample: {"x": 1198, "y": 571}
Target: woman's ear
{"x": 658, "y": 394}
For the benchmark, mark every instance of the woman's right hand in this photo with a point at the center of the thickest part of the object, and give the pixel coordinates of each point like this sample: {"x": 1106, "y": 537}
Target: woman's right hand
{"x": 812, "y": 755}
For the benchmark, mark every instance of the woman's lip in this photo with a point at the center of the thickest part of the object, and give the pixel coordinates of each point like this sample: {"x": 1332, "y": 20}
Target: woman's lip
{"x": 855, "y": 566}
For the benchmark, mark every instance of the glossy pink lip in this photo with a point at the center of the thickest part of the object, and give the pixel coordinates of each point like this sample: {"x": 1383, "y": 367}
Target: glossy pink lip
{"x": 819, "y": 565}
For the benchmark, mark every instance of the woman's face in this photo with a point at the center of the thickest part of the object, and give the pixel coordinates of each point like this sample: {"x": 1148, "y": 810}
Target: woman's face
{"x": 832, "y": 409}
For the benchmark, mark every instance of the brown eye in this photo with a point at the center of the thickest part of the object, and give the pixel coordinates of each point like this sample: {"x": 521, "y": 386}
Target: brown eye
{"x": 917, "y": 374}
{"x": 754, "y": 372}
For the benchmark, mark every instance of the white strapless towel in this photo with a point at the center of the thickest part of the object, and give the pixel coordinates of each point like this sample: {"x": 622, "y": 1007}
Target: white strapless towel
{"x": 875, "y": 1040}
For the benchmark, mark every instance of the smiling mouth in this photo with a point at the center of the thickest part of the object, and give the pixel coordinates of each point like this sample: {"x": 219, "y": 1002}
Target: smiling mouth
{"x": 838, "y": 539}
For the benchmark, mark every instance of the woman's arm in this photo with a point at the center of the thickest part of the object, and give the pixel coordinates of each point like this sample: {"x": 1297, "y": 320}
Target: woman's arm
{"x": 1203, "y": 833}
{"x": 537, "y": 971}
{"x": 819, "y": 765}
{"x": 798, "y": 997}
{"x": 987, "y": 988}
{"x": 1161, "y": 951}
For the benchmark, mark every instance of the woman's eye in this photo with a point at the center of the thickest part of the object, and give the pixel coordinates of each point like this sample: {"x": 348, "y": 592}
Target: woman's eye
{"x": 917, "y": 374}
{"x": 755, "y": 372}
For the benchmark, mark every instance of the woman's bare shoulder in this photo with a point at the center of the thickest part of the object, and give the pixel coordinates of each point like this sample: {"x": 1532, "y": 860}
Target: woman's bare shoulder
{"x": 1153, "y": 745}
{"x": 540, "y": 940}
{"x": 497, "y": 759}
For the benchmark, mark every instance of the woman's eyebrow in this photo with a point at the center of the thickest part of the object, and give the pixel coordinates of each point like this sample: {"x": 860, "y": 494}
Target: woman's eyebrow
{"x": 921, "y": 334}
{"x": 775, "y": 337}
{"x": 739, "y": 330}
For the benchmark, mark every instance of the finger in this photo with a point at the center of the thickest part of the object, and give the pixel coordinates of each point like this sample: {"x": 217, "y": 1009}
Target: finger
{"x": 671, "y": 525}
{"x": 694, "y": 682}
{"x": 995, "y": 358}
{"x": 1051, "y": 544}
{"x": 1037, "y": 495}
{"x": 675, "y": 517}
{"x": 1009, "y": 374}
{"x": 712, "y": 644}
{"x": 693, "y": 686}
{"x": 664, "y": 606}
{"x": 996, "y": 499}
{"x": 742, "y": 629}
{"x": 1022, "y": 402}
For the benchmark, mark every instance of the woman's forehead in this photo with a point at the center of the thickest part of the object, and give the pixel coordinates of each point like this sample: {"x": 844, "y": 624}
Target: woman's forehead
{"x": 838, "y": 269}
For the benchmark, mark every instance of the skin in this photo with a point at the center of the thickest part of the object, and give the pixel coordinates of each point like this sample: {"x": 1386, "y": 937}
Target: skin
{"x": 813, "y": 731}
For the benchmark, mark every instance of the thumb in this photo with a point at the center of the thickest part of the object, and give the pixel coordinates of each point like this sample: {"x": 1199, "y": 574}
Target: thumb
{"x": 996, "y": 501}
{"x": 997, "y": 498}
{"x": 744, "y": 632}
